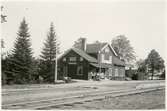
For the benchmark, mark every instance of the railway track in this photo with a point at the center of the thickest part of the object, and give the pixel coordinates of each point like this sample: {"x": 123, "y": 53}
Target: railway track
{"x": 20, "y": 91}
{"x": 44, "y": 104}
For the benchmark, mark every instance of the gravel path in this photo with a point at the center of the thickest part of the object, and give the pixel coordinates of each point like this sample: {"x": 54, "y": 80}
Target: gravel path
{"x": 149, "y": 100}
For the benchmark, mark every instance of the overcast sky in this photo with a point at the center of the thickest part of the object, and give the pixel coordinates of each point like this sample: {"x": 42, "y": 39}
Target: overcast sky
{"x": 143, "y": 23}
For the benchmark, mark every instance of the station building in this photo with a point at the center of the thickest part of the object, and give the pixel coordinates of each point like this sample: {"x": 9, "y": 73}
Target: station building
{"x": 91, "y": 59}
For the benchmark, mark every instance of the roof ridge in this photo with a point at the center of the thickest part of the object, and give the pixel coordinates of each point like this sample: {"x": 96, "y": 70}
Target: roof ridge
{"x": 97, "y": 43}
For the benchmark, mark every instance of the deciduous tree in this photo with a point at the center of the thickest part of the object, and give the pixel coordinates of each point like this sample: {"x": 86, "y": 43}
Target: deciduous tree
{"x": 154, "y": 62}
{"x": 141, "y": 65}
{"x": 78, "y": 43}
{"x": 123, "y": 48}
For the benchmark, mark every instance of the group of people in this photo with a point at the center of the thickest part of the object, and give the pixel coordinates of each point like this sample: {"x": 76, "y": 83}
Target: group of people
{"x": 96, "y": 76}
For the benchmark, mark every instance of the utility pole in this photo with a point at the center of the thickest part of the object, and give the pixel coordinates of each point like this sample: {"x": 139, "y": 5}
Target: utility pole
{"x": 56, "y": 68}
{"x": 56, "y": 63}
{"x": 100, "y": 60}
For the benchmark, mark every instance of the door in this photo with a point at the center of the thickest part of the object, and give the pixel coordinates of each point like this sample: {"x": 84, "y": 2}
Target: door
{"x": 110, "y": 73}
{"x": 72, "y": 70}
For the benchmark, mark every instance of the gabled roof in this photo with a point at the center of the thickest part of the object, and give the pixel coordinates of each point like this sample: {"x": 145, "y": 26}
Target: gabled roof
{"x": 82, "y": 54}
{"x": 102, "y": 65}
{"x": 117, "y": 61}
{"x": 95, "y": 47}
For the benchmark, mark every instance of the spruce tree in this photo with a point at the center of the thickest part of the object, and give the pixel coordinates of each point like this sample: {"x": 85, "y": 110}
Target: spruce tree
{"x": 48, "y": 55}
{"x": 22, "y": 55}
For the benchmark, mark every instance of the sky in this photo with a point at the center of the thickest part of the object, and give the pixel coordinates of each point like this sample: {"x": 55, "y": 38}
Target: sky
{"x": 142, "y": 22}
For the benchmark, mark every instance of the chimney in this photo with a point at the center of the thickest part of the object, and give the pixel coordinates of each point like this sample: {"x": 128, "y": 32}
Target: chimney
{"x": 83, "y": 44}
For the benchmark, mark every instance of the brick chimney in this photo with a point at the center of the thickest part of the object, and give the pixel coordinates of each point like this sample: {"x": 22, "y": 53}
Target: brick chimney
{"x": 83, "y": 44}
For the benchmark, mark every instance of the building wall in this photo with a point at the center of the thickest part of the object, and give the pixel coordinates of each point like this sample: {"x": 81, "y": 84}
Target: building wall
{"x": 118, "y": 72}
{"x": 106, "y": 56}
{"x": 65, "y": 64}
{"x": 95, "y": 55}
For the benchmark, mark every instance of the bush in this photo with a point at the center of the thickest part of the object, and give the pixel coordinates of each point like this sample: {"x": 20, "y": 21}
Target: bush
{"x": 135, "y": 77}
{"x": 162, "y": 75}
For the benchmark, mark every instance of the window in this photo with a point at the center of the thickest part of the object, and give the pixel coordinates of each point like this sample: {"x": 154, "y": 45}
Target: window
{"x": 107, "y": 57}
{"x": 102, "y": 58}
{"x": 110, "y": 59}
{"x": 64, "y": 59}
{"x": 110, "y": 71}
{"x": 80, "y": 70}
{"x": 81, "y": 59}
{"x": 116, "y": 72}
{"x": 122, "y": 73}
{"x": 72, "y": 59}
{"x": 106, "y": 49}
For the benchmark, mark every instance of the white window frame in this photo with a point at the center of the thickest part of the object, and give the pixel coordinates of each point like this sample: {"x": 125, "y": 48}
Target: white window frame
{"x": 110, "y": 59}
{"x": 72, "y": 59}
{"x": 64, "y": 59}
{"x": 110, "y": 72}
{"x": 106, "y": 49}
{"x": 81, "y": 58}
{"x": 102, "y": 58}
{"x": 116, "y": 72}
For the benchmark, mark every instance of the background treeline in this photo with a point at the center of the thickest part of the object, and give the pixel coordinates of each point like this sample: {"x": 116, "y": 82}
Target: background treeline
{"x": 152, "y": 67}
{"x": 20, "y": 67}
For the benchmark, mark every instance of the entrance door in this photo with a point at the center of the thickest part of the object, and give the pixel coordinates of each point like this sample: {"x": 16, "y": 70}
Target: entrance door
{"x": 110, "y": 73}
{"x": 72, "y": 70}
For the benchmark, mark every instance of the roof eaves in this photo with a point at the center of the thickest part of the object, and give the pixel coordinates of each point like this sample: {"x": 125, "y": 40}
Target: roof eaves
{"x": 66, "y": 52}
{"x": 86, "y": 56}
{"x": 113, "y": 50}
{"x": 110, "y": 47}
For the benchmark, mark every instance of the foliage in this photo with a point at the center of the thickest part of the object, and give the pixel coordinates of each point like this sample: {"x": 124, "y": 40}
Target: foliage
{"x": 35, "y": 71}
{"x": 21, "y": 60}
{"x": 3, "y": 17}
{"x": 163, "y": 75}
{"x": 154, "y": 62}
{"x": 97, "y": 42}
{"x": 123, "y": 48}
{"x": 2, "y": 43}
{"x": 78, "y": 43}
{"x": 7, "y": 74}
{"x": 141, "y": 65}
{"x": 49, "y": 52}
{"x": 130, "y": 73}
